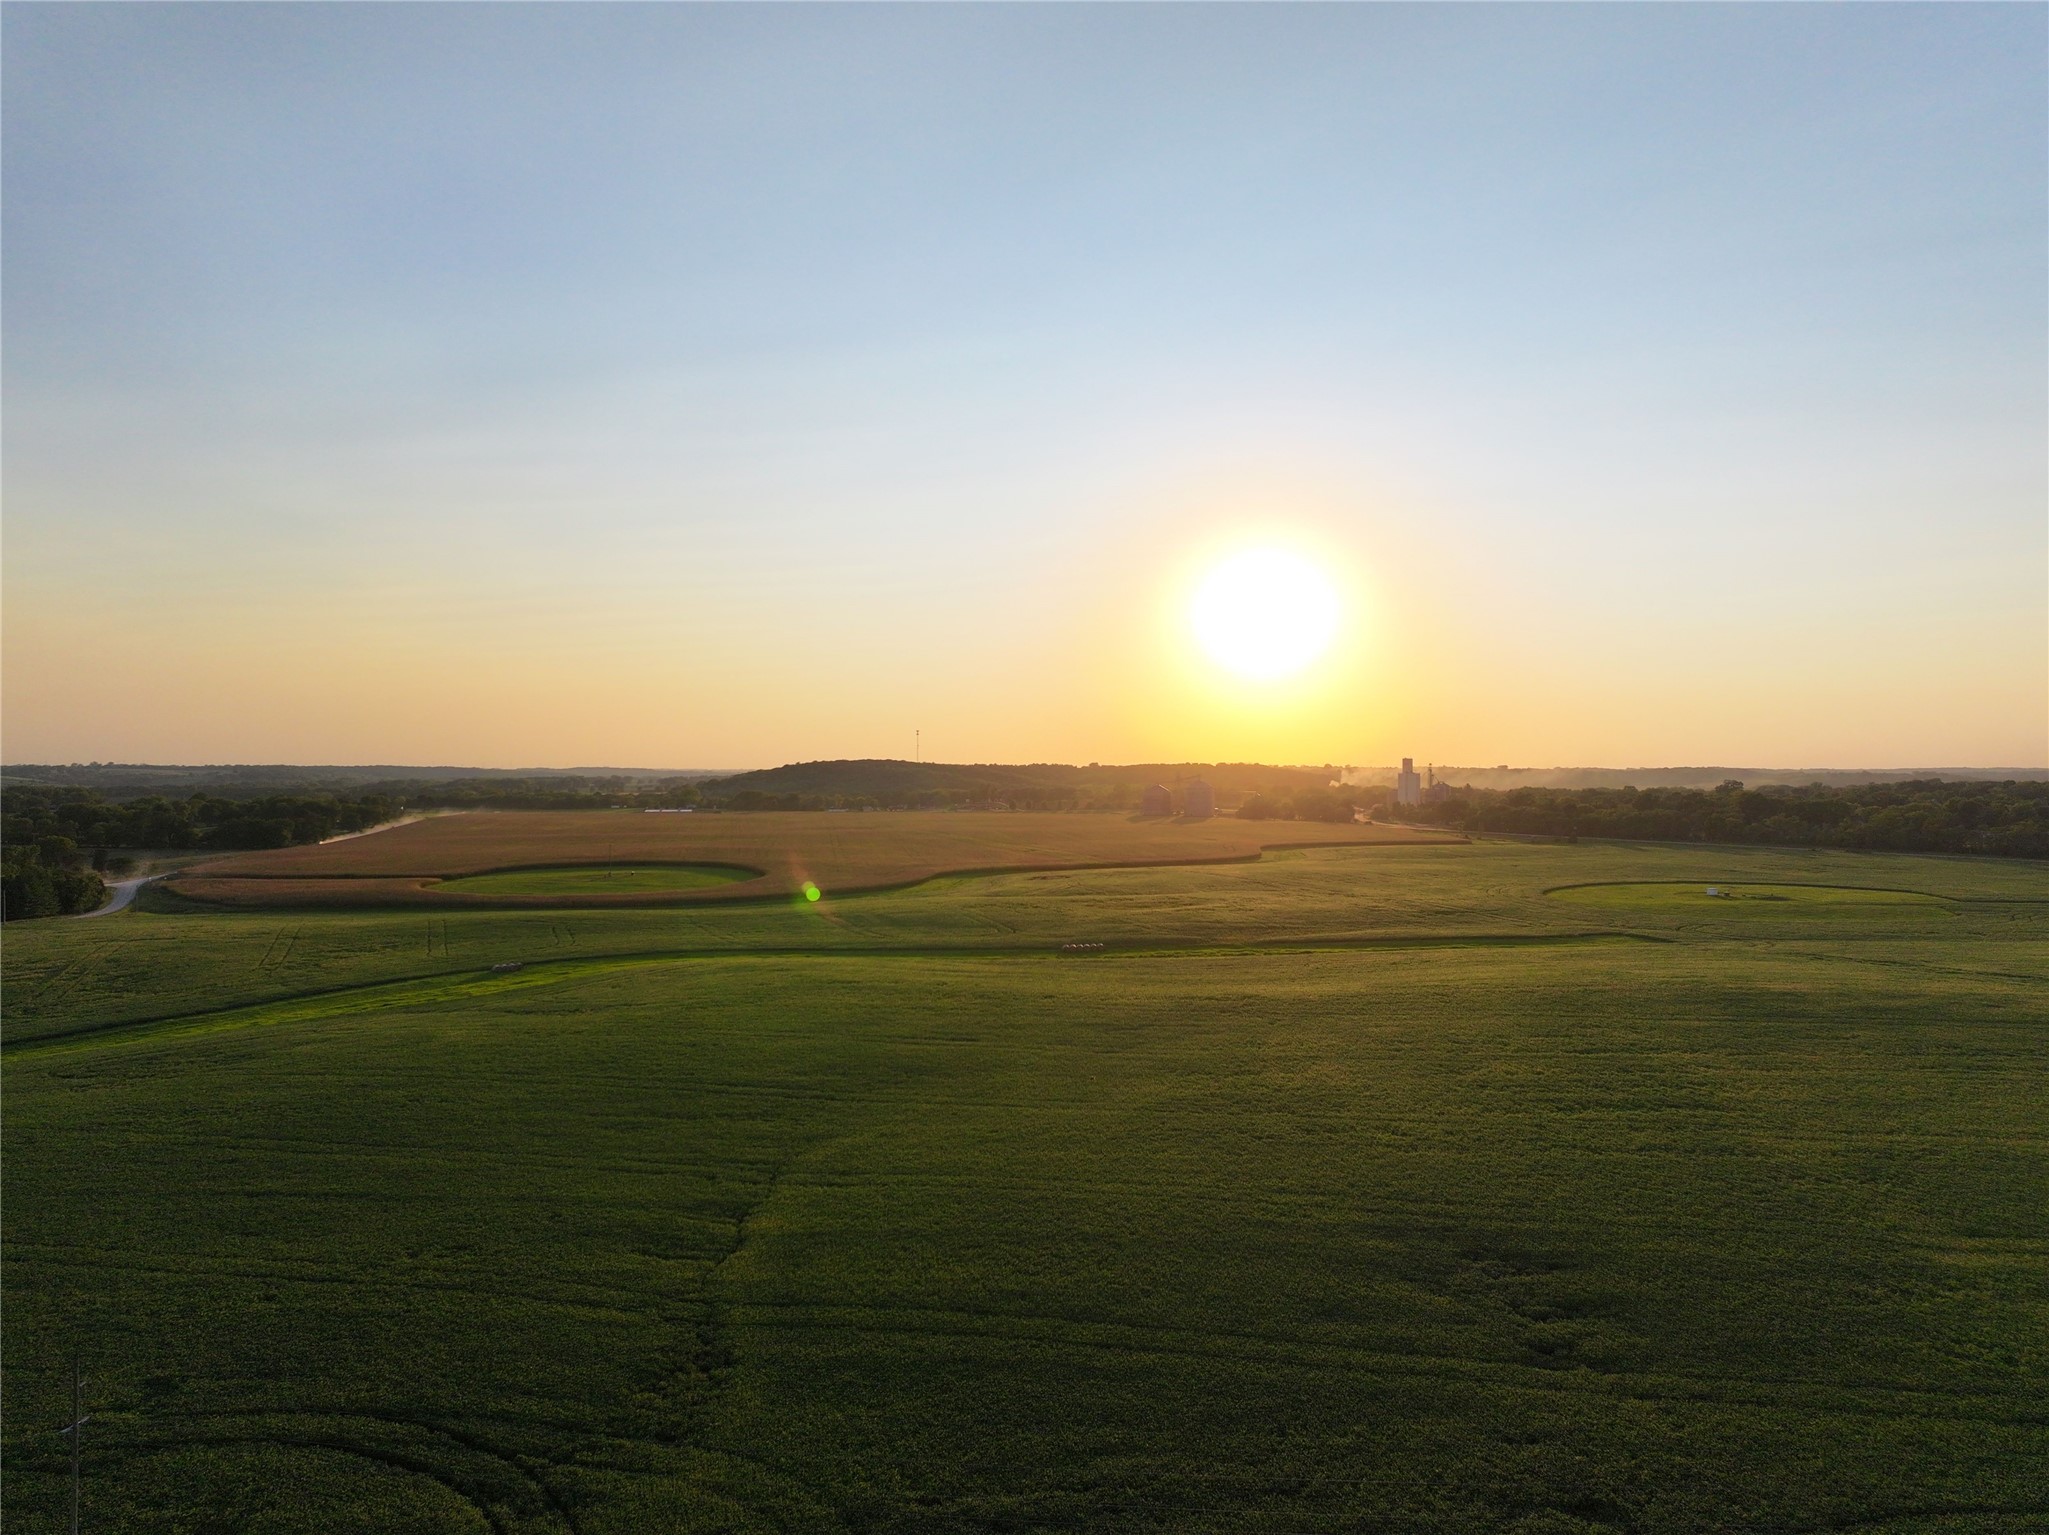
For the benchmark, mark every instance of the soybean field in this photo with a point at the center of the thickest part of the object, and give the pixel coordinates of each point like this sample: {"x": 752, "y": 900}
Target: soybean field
{"x": 1408, "y": 1188}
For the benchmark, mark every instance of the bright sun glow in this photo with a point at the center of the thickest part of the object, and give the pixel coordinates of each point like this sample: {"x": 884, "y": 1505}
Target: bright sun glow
{"x": 1265, "y": 613}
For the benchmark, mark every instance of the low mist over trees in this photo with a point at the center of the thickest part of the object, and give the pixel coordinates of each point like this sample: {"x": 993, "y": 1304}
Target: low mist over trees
{"x": 2008, "y": 819}
{"x": 1303, "y": 805}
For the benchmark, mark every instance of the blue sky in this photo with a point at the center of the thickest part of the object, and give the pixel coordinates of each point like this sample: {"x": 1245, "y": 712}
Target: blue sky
{"x": 719, "y": 385}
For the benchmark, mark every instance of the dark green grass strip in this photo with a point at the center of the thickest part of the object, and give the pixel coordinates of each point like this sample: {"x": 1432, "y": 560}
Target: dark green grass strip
{"x": 464, "y": 985}
{"x": 1787, "y": 884}
{"x": 709, "y": 874}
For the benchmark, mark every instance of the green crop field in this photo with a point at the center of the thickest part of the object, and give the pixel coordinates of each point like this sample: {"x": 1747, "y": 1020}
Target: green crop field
{"x": 1486, "y": 1187}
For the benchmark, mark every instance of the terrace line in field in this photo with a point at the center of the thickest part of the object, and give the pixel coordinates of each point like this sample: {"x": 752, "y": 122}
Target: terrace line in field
{"x": 1663, "y": 895}
{"x": 602, "y": 879}
{"x": 420, "y": 863}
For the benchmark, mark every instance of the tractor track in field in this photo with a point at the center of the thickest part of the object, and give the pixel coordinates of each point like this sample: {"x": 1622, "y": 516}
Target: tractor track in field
{"x": 279, "y": 953}
{"x": 1998, "y": 1511}
{"x": 615, "y": 1306}
{"x": 692, "y": 1382}
{"x": 548, "y": 971}
{"x": 1920, "y": 966}
{"x": 335, "y": 1444}
{"x": 1040, "y": 1330}
{"x": 321, "y": 1437}
{"x": 67, "y": 978}
{"x": 687, "y": 1381}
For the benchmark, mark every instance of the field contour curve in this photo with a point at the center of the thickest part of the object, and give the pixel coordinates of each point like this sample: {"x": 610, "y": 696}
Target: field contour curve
{"x": 420, "y": 863}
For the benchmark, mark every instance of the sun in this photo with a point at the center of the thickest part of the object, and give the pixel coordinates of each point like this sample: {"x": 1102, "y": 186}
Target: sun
{"x": 1264, "y": 613}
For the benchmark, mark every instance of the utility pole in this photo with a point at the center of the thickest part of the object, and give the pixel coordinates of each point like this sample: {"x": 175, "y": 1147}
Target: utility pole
{"x": 918, "y": 746}
{"x": 76, "y": 1429}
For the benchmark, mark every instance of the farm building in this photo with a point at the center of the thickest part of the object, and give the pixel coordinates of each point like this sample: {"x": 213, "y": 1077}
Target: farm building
{"x": 1156, "y": 801}
{"x": 1408, "y": 785}
{"x": 1198, "y": 799}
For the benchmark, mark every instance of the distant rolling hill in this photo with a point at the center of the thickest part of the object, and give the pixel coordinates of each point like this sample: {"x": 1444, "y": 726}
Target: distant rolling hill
{"x": 885, "y": 777}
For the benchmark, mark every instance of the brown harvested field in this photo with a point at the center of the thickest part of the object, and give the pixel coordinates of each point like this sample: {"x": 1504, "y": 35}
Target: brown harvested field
{"x": 840, "y": 853}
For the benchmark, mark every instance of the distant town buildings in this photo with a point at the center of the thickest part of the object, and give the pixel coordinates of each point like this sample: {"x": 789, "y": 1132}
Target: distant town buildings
{"x": 1435, "y": 792}
{"x": 1156, "y": 801}
{"x": 1198, "y": 800}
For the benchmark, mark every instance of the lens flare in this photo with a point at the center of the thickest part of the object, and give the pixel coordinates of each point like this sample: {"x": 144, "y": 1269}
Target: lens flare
{"x": 810, "y": 891}
{"x": 1264, "y": 613}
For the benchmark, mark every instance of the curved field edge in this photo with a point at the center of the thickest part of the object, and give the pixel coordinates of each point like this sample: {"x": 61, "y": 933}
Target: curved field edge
{"x": 841, "y": 847}
{"x": 470, "y": 984}
{"x": 1753, "y": 882}
{"x": 1768, "y": 884}
{"x": 709, "y": 875}
{"x": 347, "y": 892}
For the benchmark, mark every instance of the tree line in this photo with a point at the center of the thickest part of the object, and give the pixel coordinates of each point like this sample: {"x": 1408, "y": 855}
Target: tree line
{"x": 36, "y": 881}
{"x": 55, "y": 843}
{"x": 1929, "y": 815}
{"x": 1304, "y": 805}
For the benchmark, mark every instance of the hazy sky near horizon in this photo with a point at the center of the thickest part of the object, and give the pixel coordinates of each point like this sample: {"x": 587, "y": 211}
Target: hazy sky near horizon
{"x": 724, "y": 385}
